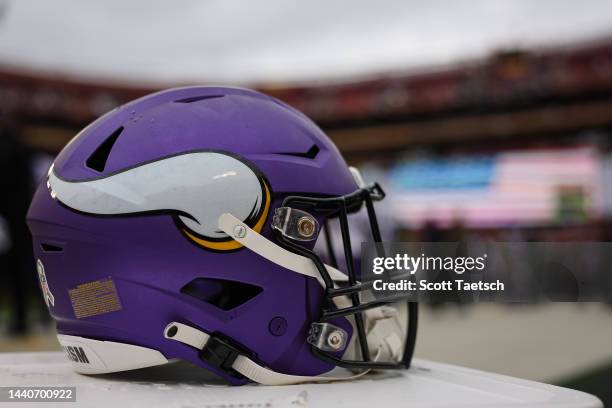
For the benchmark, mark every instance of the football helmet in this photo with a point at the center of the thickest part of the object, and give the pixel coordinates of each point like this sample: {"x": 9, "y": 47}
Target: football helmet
{"x": 182, "y": 226}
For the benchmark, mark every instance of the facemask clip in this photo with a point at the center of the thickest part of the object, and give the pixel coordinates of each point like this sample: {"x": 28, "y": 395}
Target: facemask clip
{"x": 327, "y": 337}
{"x": 295, "y": 224}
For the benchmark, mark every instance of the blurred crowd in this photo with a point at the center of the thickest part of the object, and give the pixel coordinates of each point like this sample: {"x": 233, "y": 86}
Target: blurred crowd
{"x": 19, "y": 293}
{"x": 515, "y": 147}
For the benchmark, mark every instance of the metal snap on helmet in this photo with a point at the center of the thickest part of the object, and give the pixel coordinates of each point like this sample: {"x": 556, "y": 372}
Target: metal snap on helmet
{"x": 182, "y": 226}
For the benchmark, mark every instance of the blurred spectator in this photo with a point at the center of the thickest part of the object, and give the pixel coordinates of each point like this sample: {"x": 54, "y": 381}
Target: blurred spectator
{"x": 16, "y": 260}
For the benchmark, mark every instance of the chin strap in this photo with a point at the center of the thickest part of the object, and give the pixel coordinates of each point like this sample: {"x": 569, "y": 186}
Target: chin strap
{"x": 225, "y": 357}
{"x": 262, "y": 246}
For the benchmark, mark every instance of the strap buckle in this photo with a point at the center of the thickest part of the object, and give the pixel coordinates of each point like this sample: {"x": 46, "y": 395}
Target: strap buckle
{"x": 220, "y": 354}
{"x": 327, "y": 337}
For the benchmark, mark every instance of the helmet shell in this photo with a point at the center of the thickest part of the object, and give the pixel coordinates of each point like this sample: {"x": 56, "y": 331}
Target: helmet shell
{"x": 147, "y": 257}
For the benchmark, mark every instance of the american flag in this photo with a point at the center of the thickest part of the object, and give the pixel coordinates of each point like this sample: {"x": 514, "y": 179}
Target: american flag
{"x": 502, "y": 189}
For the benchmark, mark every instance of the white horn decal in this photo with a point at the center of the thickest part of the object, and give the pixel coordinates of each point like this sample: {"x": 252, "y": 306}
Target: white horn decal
{"x": 195, "y": 187}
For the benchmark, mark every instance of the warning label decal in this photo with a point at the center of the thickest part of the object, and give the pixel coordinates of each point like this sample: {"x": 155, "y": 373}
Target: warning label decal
{"x": 94, "y": 298}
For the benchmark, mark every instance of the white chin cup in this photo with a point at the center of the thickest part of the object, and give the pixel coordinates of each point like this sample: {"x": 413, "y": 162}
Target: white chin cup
{"x": 385, "y": 332}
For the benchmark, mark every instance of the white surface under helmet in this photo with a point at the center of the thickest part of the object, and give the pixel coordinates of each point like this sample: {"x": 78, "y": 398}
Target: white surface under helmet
{"x": 428, "y": 384}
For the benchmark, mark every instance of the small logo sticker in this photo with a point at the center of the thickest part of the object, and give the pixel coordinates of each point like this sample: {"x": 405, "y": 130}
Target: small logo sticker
{"x": 44, "y": 285}
{"x": 76, "y": 354}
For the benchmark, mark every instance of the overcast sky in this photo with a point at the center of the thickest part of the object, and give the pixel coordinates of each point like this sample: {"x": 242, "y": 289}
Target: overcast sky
{"x": 278, "y": 40}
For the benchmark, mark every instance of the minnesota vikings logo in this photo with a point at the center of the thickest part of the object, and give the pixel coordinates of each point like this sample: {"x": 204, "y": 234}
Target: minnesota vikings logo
{"x": 195, "y": 188}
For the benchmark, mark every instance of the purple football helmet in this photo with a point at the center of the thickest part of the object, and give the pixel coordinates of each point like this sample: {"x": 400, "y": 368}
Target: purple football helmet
{"x": 182, "y": 226}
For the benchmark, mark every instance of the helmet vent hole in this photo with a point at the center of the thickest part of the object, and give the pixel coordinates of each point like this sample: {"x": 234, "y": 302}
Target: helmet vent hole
{"x": 197, "y": 98}
{"x": 311, "y": 153}
{"x": 221, "y": 293}
{"x": 97, "y": 160}
{"x": 50, "y": 247}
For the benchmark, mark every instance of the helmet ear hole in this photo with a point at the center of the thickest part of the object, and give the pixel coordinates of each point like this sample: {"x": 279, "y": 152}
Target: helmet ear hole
{"x": 221, "y": 293}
